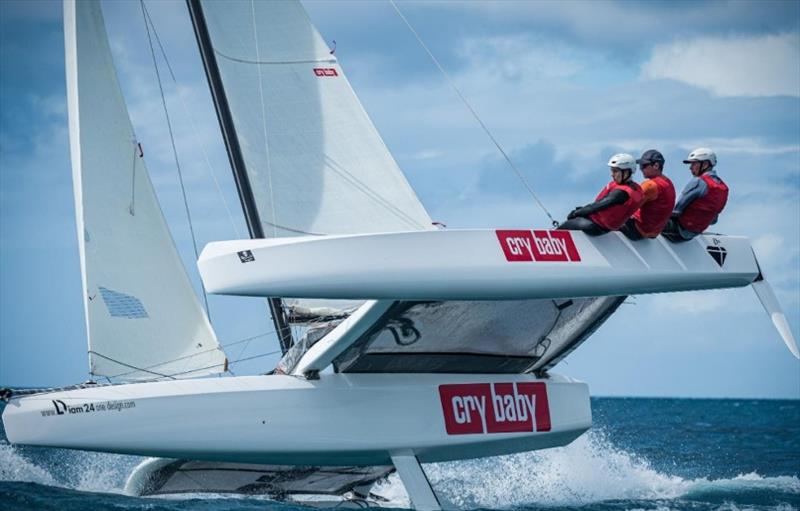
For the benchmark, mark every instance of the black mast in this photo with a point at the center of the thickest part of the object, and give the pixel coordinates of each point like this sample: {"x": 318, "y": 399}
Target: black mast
{"x": 235, "y": 155}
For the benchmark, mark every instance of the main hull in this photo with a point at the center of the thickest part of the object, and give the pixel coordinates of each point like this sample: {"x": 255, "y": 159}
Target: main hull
{"x": 338, "y": 419}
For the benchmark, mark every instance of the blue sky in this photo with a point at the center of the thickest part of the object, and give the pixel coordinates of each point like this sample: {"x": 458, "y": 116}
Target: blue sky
{"x": 562, "y": 85}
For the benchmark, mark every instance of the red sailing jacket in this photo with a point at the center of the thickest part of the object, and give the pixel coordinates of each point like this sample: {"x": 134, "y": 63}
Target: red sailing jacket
{"x": 701, "y": 212}
{"x": 652, "y": 216}
{"x": 612, "y": 218}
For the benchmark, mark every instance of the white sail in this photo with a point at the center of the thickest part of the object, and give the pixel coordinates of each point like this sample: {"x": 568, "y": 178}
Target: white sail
{"x": 315, "y": 161}
{"x": 143, "y": 318}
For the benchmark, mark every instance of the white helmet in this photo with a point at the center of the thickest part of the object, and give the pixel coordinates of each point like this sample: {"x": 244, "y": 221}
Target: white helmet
{"x": 702, "y": 154}
{"x": 623, "y": 161}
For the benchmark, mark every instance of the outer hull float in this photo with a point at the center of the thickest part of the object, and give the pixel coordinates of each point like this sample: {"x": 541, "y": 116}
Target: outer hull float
{"x": 477, "y": 264}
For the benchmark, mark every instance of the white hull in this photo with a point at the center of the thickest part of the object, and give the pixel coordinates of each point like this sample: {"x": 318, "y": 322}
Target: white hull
{"x": 477, "y": 264}
{"x": 336, "y": 420}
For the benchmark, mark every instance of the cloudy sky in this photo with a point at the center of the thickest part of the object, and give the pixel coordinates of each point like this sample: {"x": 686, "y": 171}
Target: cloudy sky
{"x": 562, "y": 85}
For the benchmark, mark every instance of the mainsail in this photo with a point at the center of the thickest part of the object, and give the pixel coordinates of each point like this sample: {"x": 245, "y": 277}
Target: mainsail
{"x": 307, "y": 157}
{"x": 143, "y": 318}
{"x": 315, "y": 161}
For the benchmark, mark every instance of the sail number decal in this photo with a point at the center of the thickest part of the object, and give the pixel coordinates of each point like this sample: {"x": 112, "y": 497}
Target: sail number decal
{"x": 495, "y": 407}
{"x": 540, "y": 246}
{"x": 325, "y": 71}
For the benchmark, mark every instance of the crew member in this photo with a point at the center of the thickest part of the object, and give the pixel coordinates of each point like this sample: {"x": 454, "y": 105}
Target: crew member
{"x": 659, "y": 199}
{"x": 701, "y": 201}
{"x": 615, "y": 203}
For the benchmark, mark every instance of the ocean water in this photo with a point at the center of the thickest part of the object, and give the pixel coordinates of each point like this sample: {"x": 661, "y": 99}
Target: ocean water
{"x": 649, "y": 454}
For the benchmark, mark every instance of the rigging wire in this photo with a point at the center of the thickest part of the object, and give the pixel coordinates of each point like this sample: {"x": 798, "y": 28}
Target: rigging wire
{"x": 193, "y": 124}
{"x": 364, "y": 188}
{"x": 230, "y": 362}
{"x": 7, "y": 393}
{"x": 150, "y": 369}
{"x": 136, "y": 369}
{"x": 474, "y": 114}
{"x": 174, "y": 150}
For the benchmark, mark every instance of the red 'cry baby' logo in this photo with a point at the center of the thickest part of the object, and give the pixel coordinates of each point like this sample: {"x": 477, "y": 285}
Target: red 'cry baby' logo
{"x": 542, "y": 245}
{"x": 495, "y": 407}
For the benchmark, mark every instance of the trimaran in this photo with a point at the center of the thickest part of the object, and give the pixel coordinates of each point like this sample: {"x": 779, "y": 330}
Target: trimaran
{"x": 420, "y": 344}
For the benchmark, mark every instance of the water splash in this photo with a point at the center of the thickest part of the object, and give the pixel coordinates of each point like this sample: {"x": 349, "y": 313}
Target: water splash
{"x": 393, "y": 491}
{"x": 590, "y": 470}
{"x": 75, "y": 470}
{"x": 98, "y": 472}
{"x": 15, "y": 467}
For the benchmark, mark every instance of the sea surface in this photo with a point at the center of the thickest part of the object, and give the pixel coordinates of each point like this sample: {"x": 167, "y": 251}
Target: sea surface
{"x": 649, "y": 454}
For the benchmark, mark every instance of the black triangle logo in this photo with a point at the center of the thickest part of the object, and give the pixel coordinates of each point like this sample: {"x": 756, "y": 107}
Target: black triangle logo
{"x": 718, "y": 253}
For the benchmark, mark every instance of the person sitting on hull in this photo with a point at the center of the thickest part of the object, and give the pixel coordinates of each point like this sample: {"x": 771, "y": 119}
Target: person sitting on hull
{"x": 659, "y": 199}
{"x": 702, "y": 199}
{"x": 615, "y": 203}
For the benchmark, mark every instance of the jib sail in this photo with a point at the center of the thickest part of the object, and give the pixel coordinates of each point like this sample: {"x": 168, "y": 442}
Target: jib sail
{"x": 143, "y": 318}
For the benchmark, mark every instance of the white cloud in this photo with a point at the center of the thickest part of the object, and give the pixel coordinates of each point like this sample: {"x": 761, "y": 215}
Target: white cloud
{"x": 770, "y": 219}
{"x": 769, "y": 246}
{"x": 515, "y": 57}
{"x": 695, "y": 302}
{"x": 742, "y": 145}
{"x": 756, "y": 146}
{"x": 731, "y": 66}
{"x": 54, "y": 105}
{"x": 426, "y": 154}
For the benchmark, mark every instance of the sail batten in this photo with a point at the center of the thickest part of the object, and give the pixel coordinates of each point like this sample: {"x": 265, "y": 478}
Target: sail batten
{"x": 140, "y": 307}
{"x": 275, "y": 62}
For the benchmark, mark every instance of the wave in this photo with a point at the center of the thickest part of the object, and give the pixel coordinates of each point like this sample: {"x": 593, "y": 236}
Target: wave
{"x": 589, "y": 471}
{"x": 74, "y": 470}
{"x": 16, "y": 468}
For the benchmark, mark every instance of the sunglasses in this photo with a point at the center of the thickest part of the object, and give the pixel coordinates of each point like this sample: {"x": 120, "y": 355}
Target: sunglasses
{"x": 644, "y": 165}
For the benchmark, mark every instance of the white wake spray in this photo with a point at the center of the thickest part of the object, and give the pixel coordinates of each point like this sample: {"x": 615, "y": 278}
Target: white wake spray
{"x": 14, "y": 467}
{"x": 76, "y": 470}
{"x": 590, "y": 470}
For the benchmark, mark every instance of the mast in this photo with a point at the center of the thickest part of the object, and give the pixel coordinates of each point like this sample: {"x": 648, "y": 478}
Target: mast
{"x": 235, "y": 156}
